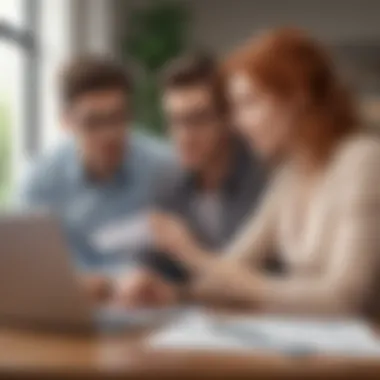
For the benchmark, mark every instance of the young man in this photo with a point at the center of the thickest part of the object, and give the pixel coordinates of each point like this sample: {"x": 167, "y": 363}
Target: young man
{"x": 217, "y": 185}
{"x": 103, "y": 173}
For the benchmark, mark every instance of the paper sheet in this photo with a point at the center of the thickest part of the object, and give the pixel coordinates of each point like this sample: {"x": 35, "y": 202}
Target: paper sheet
{"x": 293, "y": 336}
{"x": 112, "y": 317}
{"x": 130, "y": 235}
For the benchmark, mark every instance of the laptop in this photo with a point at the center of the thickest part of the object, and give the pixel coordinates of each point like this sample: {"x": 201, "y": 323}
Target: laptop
{"x": 39, "y": 285}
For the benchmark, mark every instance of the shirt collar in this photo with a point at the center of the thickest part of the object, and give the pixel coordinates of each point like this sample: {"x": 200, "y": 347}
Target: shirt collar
{"x": 241, "y": 158}
{"x": 78, "y": 175}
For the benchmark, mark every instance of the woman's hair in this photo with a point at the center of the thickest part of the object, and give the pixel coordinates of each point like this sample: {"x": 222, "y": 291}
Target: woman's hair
{"x": 290, "y": 65}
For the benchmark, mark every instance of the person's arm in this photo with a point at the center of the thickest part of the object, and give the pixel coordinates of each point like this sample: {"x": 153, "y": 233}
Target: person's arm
{"x": 231, "y": 275}
{"x": 31, "y": 192}
{"x": 184, "y": 259}
{"x": 145, "y": 288}
{"x": 164, "y": 198}
{"x": 344, "y": 286}
{"x": 158, "y": 278}
{"x": 37, "y": 188}
{"x": 251, "y": 245}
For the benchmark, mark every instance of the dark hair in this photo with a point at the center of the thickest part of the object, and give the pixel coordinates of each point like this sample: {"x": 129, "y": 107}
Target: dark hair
{"x": 89, "y": 74}
{"x": 195, "y": 69}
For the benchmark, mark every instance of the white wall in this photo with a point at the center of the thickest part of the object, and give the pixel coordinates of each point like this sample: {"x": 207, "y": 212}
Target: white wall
{"x": 55, "y": 47}
{"x": 69, "y": 28}
{"x": 222, "y": 24}
{"x": 93, "y": 26}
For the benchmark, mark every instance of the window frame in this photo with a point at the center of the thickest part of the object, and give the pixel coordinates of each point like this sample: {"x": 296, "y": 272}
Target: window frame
{"x": 25, "y": 38}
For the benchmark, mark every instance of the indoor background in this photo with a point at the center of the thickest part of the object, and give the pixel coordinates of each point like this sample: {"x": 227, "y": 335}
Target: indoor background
{"x": 36, "y": 36}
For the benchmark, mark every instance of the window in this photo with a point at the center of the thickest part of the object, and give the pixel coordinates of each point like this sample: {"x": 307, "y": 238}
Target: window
{"x": 36, "y": 36}
{"x": 18, "y": 98}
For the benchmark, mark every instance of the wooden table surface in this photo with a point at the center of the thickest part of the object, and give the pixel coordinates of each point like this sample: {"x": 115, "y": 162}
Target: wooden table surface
{"x": 31, "y": 355}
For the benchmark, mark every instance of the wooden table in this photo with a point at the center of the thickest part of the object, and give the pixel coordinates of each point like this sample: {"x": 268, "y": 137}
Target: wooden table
{"x": 31, "y": 355}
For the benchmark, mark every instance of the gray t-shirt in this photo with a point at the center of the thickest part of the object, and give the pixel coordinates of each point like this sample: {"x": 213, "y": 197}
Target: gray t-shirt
{"x": 207, "y": 212}
{"x": 213, "y": 218}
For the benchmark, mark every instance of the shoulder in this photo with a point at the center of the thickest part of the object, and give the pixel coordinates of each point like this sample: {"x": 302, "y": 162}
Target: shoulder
{"x": 46, "y": 173}
{"x": 152, "y": 152}
{"x": 156, "y": 158}
{"x": 356, "y": 170}
{"x": 52, "y": 163}
{"x": 358, "y": 155}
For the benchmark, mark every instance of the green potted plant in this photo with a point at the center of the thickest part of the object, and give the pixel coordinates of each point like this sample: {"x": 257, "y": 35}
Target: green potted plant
{"x": 156, "y": 33}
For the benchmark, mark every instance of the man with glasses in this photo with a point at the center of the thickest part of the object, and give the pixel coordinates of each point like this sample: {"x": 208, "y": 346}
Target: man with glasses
{"x": 103, "y": 174}
{"x": 217, "y": 185}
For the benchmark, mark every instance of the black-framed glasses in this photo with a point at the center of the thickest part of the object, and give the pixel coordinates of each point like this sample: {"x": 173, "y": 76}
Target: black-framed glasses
{"x": 98, "y": 120}
{"x": 194, "y": 118}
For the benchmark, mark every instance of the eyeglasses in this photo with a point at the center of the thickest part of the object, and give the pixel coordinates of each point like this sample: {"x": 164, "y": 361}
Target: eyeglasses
{"x": 95, "y": 121}
{"x": 194, "y": 118}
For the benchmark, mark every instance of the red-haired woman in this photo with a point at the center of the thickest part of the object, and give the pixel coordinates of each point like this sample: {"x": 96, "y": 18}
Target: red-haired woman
{"x": 322, "y": 210}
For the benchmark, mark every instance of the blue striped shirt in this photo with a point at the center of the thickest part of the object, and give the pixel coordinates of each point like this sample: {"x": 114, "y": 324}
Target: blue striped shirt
{"x": 57, "y": 182}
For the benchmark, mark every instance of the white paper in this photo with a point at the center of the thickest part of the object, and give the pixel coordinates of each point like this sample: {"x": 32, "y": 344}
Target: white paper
{"x": 136, "y": 317}
{"x": 129, "y": 235}
{"x": 294, "y": 336}
{"x": 193, "y": 331}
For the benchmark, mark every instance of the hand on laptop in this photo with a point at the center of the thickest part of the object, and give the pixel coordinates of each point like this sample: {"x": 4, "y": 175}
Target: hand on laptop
{"x": 145, "y": 289}
{"x": 97, "y": 286}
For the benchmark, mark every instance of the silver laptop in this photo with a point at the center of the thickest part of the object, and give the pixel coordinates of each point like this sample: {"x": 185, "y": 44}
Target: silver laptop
{"x": 39, "y": 286}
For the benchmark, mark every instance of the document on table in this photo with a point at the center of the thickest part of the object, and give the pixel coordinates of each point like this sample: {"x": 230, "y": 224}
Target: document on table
{"x": 114, "y": 317}
{"x": 292, "y": 336}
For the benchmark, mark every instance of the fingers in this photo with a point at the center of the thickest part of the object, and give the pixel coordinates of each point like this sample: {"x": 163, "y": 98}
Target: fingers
{"x": 131, "y": 290}
{"x": 139, "y": 289}
{"x": 159, "y": 220}
{"x": 145, "y": 290}
{"x": 162, "y": 231}
{"x": 207, "y": 293}
{"x": 97, "y": 287}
